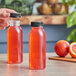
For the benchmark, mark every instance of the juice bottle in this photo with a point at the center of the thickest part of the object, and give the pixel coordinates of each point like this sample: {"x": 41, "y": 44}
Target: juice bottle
{"x": 15, "y": 41}
{"x": 37, "y": 47}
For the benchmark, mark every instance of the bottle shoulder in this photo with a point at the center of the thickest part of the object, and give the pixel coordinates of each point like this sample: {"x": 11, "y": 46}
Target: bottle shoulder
{"x": 14, "y": 28}
{"x": 37, "y": 32}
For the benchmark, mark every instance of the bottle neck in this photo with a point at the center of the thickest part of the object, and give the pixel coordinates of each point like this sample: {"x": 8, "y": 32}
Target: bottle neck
{"x": 14, "y": 23}
{"x": 37, "y": 27}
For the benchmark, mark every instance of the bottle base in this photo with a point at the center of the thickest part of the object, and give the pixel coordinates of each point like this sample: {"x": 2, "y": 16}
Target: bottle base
{"x": 14, "y": 62}
{"x": 37, "y": 68}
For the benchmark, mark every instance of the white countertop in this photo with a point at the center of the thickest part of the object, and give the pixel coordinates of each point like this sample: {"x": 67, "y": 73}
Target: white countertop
{"x": 53, "y": 68}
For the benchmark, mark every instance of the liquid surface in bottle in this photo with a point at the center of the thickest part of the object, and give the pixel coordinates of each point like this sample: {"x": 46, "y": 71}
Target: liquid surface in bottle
{"x": 15, "y": 44}
{"x": 37, "y": 48}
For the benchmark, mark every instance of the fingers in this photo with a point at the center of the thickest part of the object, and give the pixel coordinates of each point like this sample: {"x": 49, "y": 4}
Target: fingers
{"x": 2, "y": 28}
{"x": 1, "y": 20}
{"x": 5, "y": 13}
{"x": 4, "y": 25}
{"x": 4, "y": 22}
{"x": 5, "y": 17}
{"x": 8, "y": 10}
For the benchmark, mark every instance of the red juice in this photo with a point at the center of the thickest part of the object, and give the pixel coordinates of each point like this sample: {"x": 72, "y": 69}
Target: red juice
{"x": 14, "y": 43}
{"x": 37, "y": 47}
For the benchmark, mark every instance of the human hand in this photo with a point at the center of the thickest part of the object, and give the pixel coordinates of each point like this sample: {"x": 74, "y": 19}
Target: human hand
{"x": 5, "y": 17}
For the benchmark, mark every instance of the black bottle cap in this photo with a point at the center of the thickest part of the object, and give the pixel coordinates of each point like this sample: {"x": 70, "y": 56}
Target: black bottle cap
{"x": 15, "y": 15}
{"x": 36, "y": 24}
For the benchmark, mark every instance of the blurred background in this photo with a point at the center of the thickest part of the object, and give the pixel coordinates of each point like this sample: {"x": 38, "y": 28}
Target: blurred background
{"x": 54, "y": 32}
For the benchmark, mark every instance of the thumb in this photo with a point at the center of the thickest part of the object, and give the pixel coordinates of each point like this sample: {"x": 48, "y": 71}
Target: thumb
{"x": 4, "y": 15}
{"x": 2, "y": 28}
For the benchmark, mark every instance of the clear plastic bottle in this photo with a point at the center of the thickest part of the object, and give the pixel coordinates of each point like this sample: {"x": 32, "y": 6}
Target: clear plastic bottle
{"x": 15, "y": 41}
{"x": 37, "y": 47}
